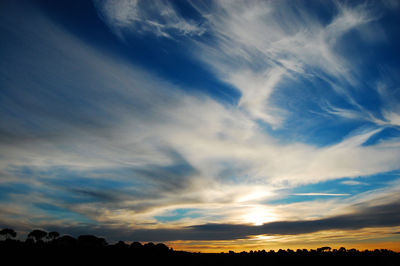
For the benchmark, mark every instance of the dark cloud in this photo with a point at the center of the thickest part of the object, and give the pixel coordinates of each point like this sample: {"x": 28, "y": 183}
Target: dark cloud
{"x": 72, "y": 188}
{"x": 171, "y": 178}
{"x": 101, "y": 196}
{"x": 146, "y": 182}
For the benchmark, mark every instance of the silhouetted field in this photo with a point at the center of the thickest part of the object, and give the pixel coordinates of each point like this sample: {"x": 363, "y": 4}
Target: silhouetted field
{"x": 42, "y": 248}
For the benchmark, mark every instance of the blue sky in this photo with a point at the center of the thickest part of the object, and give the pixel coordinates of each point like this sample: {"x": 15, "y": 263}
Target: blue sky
{"x": 173, "y": 116}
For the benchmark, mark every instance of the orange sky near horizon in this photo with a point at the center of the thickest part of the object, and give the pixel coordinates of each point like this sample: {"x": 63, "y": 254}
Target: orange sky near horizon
{"x": 213, "y": 247}
{"x": 369, "y": 238}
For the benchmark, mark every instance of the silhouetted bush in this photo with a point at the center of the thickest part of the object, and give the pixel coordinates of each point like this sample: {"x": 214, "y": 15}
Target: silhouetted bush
{"x": 37, "y": 235}
{"x": 136, "y": 246}
{"x": 8, "y": 233}
{"x": 90, "y": 241}
{"x": 53, "y": 235}
{"x": 65, "y": 241}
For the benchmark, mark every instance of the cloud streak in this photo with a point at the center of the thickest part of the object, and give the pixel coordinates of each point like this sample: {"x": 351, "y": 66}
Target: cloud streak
{"x": 321, "y": 194}
{"x": 143, "y": 17}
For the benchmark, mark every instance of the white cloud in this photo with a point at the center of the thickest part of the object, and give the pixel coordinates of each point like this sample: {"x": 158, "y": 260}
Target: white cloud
{"x": 353, "y": 183}
{"x": 321, "y": 194}
{"x": 260, "y": 50}
{"x": 257, "y": 46}
{"x": 156, "y": 17}
{"x": 257, "y": 88}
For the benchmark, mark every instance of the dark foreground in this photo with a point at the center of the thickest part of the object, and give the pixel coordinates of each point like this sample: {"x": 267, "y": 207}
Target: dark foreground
{"x": 88, "y": 250}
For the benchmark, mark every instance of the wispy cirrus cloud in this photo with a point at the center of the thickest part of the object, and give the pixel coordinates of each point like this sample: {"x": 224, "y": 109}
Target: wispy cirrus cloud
{"x": 254, "y": 52}
{"x": 156, "y": 17}
{"x": 321, "y": 194}
{"x": 252, "y": 48}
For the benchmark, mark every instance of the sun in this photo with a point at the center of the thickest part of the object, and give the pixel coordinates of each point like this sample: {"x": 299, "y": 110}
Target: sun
{"x": 259, "y": 215}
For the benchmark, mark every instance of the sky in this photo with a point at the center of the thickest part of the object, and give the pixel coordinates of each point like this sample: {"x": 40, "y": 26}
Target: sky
{"x": 206, "y": 125}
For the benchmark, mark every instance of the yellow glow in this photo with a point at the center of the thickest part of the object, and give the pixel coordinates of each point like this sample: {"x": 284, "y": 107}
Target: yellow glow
{"x": 258, "y": 216}
{"x": 256, "y": 194}
{"x": 372, "y": 238}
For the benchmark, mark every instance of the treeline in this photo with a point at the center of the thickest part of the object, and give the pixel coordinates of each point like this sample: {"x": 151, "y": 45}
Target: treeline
{"x": 42, "y": 239}
{"x": 47, "y": 248}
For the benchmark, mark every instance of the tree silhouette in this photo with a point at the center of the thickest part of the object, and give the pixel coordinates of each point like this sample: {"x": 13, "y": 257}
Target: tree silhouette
{"x": 323, "y": 249}
{"x": 37, "y": 234}
{"x": 53, "y": 235}
{"x": 91, "y": 241}
{"x": 65, "y": 241}
{"x": 8, "y": 233}
{"x": 136, "y": 246}
{"x": 121, "y": 245}
{"x": 161, "y": 248}
{"x": 93, "y": 250}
